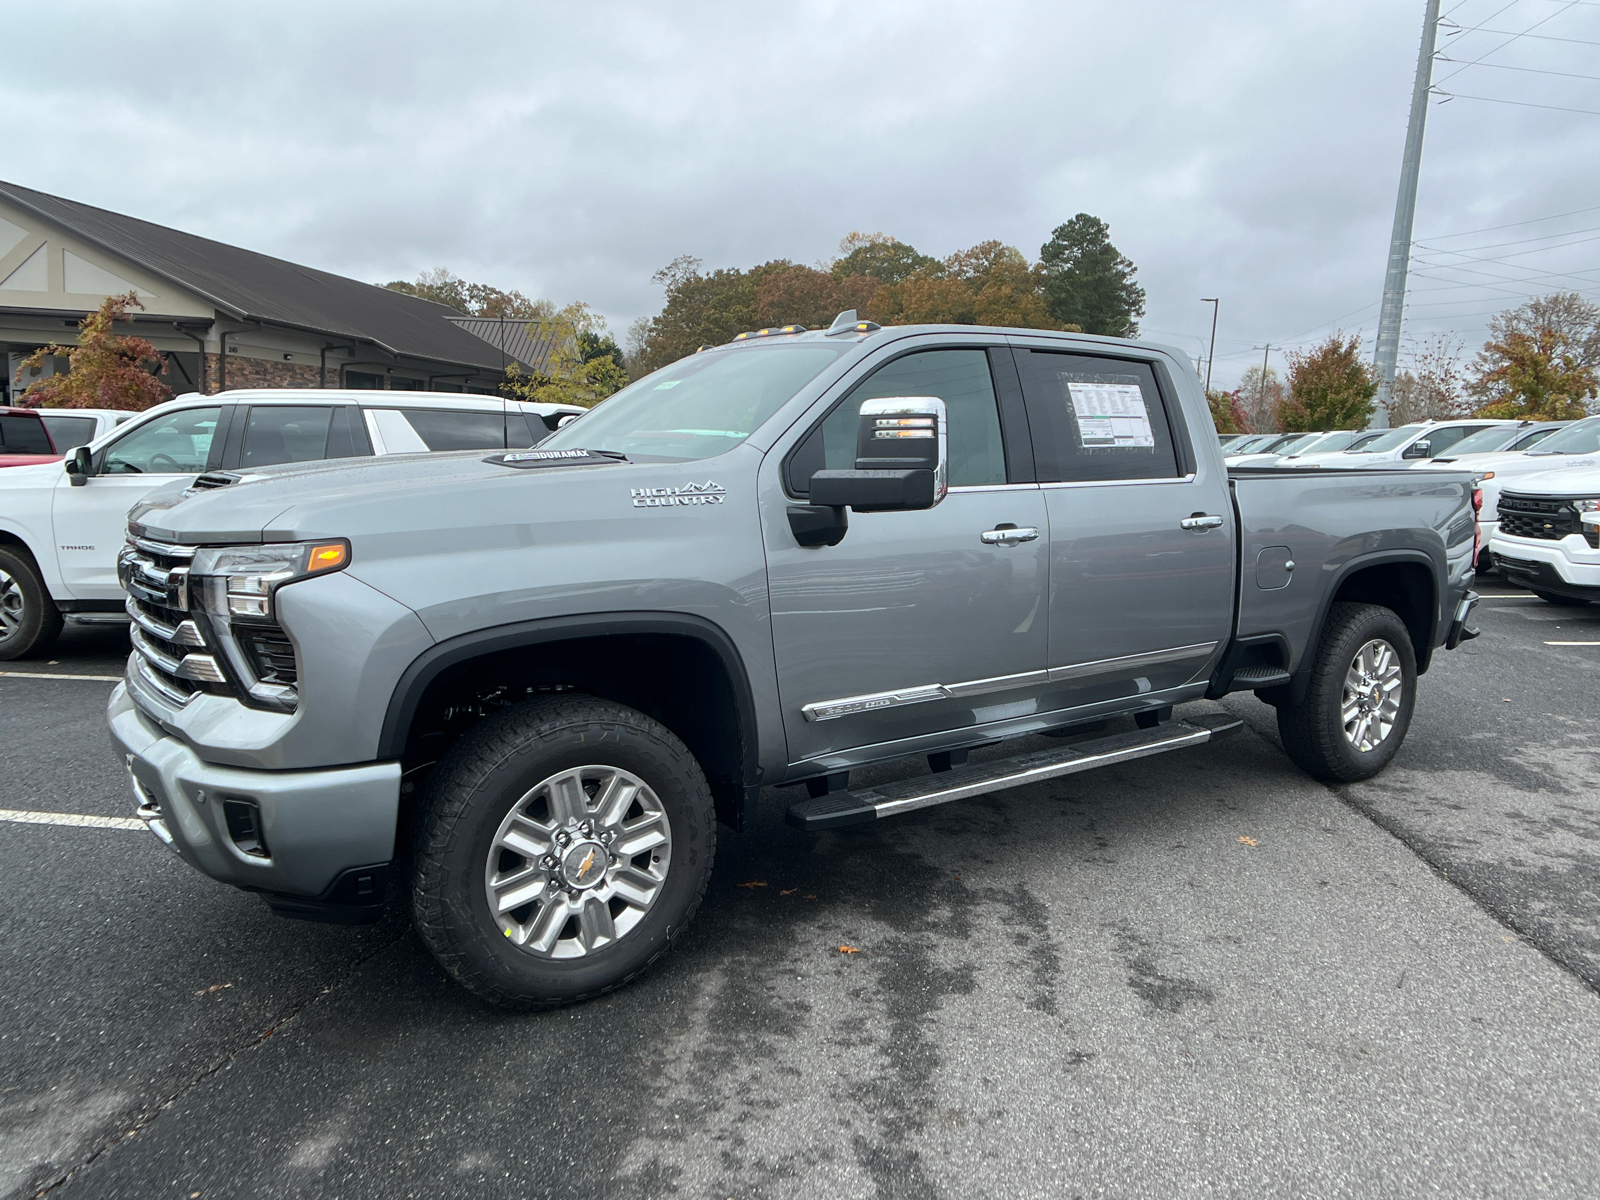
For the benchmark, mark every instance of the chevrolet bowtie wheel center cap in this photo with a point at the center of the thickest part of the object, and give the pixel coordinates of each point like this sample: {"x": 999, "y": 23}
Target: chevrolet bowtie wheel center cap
{"x": 584, "y": 865}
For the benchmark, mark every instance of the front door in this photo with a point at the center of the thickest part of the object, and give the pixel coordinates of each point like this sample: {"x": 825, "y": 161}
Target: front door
{"x": 913, "y": 623}
{"x": 91, "y": 522}
{"x": 1141, "y": 536}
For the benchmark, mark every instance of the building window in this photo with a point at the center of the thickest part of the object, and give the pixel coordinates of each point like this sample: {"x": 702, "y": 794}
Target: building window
{"x": 363, "y": 379}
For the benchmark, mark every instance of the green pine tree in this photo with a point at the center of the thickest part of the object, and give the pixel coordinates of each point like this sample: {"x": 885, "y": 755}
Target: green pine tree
{"x": 1088, "y": 282}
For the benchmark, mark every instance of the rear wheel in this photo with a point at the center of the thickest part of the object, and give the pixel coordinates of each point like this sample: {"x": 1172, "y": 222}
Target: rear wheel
{"x": 1558, "y": 600}
{"x": 566, "y": 845}
{"x": 1358, "y": 705}
{"x": 29, "y": 619}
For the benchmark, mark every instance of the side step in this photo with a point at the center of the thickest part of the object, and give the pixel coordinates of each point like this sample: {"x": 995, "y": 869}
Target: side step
{"x": 871, "y": 804}
{"x": 1248, "y": 678}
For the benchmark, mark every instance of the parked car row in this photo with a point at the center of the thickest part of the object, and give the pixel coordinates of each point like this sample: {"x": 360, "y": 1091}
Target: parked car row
{"x": 63, "y": 524}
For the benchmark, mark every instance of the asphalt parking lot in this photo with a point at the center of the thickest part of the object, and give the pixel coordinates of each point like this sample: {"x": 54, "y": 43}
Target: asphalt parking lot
{"x": 1203, "y": 975}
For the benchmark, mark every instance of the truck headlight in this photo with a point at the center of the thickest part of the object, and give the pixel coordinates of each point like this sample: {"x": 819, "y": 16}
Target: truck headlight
{"x": 234, "y": 588}
{"x": 240, "y": 580}
{"x": 1587, "y": 504}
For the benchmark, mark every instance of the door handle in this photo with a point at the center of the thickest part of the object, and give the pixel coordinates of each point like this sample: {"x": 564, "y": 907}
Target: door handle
{"x": 1009, "y": 535}
{"x": 1201, "y": 522}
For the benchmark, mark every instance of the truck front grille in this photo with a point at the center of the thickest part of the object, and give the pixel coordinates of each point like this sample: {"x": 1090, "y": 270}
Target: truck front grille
{"x": 1546, "y": 518}
{"x": 170, "y": 653}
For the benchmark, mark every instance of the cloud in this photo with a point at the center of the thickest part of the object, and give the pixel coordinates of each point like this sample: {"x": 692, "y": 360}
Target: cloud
{"x": 1248, "y": 150}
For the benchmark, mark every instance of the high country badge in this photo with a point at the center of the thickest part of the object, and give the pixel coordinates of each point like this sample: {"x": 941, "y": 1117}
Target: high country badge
{"x": 672, "y": 497}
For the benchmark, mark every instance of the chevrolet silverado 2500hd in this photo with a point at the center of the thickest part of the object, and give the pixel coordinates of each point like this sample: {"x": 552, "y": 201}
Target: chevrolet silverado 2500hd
{"x": 525, "y": 686}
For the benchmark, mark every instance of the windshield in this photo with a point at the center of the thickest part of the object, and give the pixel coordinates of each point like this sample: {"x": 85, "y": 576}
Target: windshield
{"x": 1386, "y": 441}
{"x": 699, "y": 406}
{"x": 1250, "y": 443}
{"x": 1485, "y": 441}
{"x": 1582, "y": 438}
{"x": 1326, "y": 444}
{"x": 1296, "y": 444}
{"x": 1362, "y": 442}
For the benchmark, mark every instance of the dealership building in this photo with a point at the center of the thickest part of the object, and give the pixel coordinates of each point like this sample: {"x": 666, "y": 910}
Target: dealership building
{"x": 230, "y": 318}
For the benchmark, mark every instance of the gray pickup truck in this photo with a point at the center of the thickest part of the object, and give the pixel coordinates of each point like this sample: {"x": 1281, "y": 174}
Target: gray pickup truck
{"x": 525, "y": 687}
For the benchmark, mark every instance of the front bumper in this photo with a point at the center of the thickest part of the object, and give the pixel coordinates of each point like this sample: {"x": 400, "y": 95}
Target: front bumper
{"x": 1568, "y": 567}
{"x": 302, "y": 837}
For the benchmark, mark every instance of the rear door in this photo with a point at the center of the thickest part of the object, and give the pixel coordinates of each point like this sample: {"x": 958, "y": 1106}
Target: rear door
{"x": 913, "y": 624}
{"x": 1141, "y": 534}
{"x": 264, "y": 435}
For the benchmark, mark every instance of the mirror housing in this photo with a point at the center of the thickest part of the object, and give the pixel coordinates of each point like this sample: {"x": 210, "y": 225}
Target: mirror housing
{"x": 902, "y": 459}
{"x": 1420, "y": 449}
{"x": 79, "y": 465}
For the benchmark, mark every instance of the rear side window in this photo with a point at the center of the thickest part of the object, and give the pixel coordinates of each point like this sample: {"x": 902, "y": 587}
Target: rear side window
{"x": 68, "y": 432}
{"x": 443, "y": 429}
{"x": 282, "y": 435}
{"x": 24, "y": 435}
{"x": 1095, "y": 419}
{"x": 958, "y": 377}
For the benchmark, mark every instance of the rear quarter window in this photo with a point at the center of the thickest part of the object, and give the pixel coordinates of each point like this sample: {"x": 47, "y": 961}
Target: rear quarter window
{"x": 24, "y": 435}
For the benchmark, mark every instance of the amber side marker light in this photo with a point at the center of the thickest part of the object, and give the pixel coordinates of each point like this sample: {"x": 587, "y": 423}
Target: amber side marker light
{"x": 327, "y": 557}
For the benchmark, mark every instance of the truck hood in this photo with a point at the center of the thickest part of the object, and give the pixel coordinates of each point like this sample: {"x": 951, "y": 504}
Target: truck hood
{"x": 1583, "y": 482}
{"x": 399, "y": 494}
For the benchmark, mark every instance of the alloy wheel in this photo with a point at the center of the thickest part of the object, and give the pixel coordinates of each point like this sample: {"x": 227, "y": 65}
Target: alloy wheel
{"x": 578, "y": 861}
{"x": 1370, "y": 704}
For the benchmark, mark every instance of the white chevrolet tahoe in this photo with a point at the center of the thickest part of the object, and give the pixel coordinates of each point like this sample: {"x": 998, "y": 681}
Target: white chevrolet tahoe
{"x": 62, "y": 524}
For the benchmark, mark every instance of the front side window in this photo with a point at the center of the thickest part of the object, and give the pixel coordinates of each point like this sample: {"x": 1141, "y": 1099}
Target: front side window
{"x": 958, "y": 377}
{"x": 67, "y": 432}
{"x": 176, "y": 443}
{"x": 1530, "y": 440}
{"x": 1439, "y": 441}
{"x": 1096, "y": 419}
{"x": 699, "y": 406}
{"x": 286, "y": 434}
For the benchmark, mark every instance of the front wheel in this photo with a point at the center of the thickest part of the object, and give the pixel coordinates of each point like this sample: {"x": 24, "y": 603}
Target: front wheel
{"x": 1358, "y": 705}
{"x": 565, "y": 846}
{"x": 29, "y": 619}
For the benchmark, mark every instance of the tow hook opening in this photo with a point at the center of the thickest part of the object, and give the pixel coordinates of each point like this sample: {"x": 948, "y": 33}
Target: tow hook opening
{"x": 244, "y": 826}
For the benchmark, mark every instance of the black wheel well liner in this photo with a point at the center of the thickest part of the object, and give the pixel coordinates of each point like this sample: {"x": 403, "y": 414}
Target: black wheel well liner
{"x": 1404, "y": 580}
{"x": 702, "y": 714}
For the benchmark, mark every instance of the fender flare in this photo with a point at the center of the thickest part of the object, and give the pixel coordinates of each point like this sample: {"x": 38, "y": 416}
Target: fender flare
{"x": 434, "y": 661}
{"x": 1302, "y": 675}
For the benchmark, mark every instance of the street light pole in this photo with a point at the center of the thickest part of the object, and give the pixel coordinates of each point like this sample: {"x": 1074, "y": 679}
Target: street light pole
{"x": 1387, "y": 351}
{"x": 1211, "y": 355}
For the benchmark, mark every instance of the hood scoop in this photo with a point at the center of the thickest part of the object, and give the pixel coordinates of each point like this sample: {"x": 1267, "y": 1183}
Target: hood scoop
{"x": 211, "y": 480}
{"x": 524, "y": 460}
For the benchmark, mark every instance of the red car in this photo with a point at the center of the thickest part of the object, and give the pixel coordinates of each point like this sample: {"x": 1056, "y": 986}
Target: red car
{"x": 24, "y": 439}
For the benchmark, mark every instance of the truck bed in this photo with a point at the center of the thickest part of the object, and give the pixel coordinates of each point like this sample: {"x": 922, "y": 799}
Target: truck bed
{"x": 1329, "y": 522}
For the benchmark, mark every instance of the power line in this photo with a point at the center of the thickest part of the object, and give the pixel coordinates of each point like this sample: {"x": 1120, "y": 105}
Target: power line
{"x": 1591, "y": 112}
{"x": 1529, "y": 70}
{"x": 1508, "y": 42}
{"x": 1514, "y": 224}
{"x": 1520, "y": 241}
{"x": 1538, "y": 37}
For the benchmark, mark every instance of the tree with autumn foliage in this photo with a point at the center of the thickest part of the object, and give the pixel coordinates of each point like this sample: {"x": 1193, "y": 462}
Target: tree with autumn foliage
{"x": 105, "y": 369}
{"x": 1227, "y": 413}
{"x": 582, "y": 367}
{"x": 1534, "y": 376}
{"x": 1330, "y": 387}
{"x": 444, "y": 286}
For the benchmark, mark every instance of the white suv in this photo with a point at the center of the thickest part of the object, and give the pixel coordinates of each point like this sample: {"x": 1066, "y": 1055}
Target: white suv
{"x": 63, "y": 523}
{"x": 1548, "y": 538}
{"x": 1401, "y": 447}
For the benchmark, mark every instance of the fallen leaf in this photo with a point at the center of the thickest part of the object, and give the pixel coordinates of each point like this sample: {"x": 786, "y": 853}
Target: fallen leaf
{"x": 849, "y": 950}
{"x": 809, "y": 896}
{"x": 753, "y": 884}
{"x": 958, "y": 879}
{"x": 1248, "y": 841}
{"x": 788, "y": 891}
{"x": 215, "y": 987}
{"x": 1505, "y": 700}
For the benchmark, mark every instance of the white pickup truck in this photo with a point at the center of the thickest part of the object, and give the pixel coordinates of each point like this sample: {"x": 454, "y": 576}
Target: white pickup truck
{"x": 62, "y": 524}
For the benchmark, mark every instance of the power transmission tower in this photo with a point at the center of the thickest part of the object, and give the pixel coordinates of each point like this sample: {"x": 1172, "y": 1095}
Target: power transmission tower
{"x": 1405, "y": 210}
{"x": 1211, "y": 356}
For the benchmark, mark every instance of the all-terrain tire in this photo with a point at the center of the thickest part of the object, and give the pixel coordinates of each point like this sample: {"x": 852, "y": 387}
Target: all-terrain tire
{"x": 494, "y": 768}
{"x": 1558, "y": 600}
{"x": 1314, "y": 731}
{"x": 29, "y": 619}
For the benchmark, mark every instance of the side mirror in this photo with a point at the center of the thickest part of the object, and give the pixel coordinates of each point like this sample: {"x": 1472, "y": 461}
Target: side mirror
{"x": 79, "y": 465}
{"x": 1418, "y": 449}
{"x": 902, "y": 459}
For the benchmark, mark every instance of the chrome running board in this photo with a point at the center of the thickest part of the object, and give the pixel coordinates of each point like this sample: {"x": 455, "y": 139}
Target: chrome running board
{"x": 872, "y": 804}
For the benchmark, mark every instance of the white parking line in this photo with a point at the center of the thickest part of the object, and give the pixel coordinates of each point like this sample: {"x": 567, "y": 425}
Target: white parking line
{"x": 1572, "y": 643}
{"x": 60, "y": 675}
{"x": 23, "y": 817}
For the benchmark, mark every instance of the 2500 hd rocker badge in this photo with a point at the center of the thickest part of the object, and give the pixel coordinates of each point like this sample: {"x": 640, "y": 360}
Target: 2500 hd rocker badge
{"x": 523, "y": 691}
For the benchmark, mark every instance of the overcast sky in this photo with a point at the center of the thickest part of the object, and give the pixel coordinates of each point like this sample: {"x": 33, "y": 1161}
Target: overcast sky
{"x": 1247, "y": 150}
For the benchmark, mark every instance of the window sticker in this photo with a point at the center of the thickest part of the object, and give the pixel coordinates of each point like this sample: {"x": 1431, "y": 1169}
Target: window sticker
{"x": 1111, "y": 415}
